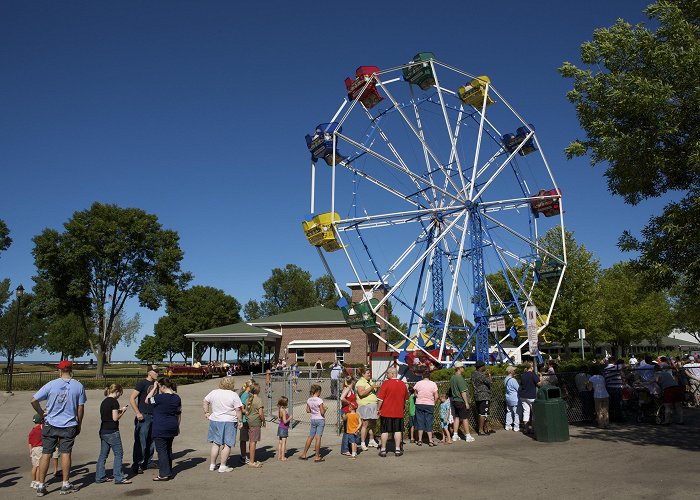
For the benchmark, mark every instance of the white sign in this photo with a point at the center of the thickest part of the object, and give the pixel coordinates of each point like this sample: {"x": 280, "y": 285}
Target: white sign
{"x": 493, "y": 324}
{"x": 501, "y": 324}
{"x": 581, "y": 333}
{"x": 531, "y": 317}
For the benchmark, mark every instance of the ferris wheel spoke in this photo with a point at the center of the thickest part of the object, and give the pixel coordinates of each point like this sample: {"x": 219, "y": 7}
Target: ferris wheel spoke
{"x": 418, "y": 136}
{"x": 426, "y": 156}
{"x": 395, "y": 152}
{"x": 527, "y": 240}
{"x": 382, "y": 185}
{"x": 453, "y": 141}
{"x": 387, "y": 219}
{"x": 395, "y": 165}
{"x": 415, "y": 265}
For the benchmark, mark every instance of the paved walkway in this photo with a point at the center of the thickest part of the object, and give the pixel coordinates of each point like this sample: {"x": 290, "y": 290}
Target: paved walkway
{"x": 623, "y": 462}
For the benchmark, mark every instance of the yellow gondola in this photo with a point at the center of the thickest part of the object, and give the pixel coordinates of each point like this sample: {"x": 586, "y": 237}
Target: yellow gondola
{"x": 472, "y": 94}
{"x": 319, "y": 231}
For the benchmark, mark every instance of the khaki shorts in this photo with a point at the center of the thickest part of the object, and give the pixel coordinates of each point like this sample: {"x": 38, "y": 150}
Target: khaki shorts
{"x": 35, "y": 455}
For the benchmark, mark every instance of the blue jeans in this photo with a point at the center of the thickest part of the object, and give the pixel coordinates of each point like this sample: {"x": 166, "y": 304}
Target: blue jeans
{"x": 425, "y": 414}
{"x": 109, "y": 441}
{"x": 164, "y": 445}
{"x": 143, "y": 442}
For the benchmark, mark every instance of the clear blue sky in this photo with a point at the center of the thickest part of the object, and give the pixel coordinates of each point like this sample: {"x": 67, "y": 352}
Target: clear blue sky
{"x": 196, "y": 111}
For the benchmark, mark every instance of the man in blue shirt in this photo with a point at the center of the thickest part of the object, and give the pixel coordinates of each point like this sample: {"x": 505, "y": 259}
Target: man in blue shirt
{"x": 65, "y": 405}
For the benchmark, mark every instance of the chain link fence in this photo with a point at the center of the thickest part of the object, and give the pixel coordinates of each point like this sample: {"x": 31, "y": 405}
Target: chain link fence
{"x": 637, "y": 404}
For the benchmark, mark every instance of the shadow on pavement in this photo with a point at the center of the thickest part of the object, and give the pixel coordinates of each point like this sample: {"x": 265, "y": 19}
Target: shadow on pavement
{"x": 683, "y": 437}
{"x": 182, "y": 453}
{"x": 187, "y": 463}
{"x": 9, "y": 481}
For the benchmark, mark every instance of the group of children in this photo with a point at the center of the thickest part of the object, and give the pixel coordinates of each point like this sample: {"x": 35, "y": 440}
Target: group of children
{"x": 446, "y": 418}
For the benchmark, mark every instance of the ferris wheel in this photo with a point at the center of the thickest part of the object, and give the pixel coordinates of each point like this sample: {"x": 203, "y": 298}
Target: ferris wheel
{"x": 435, "y": 198}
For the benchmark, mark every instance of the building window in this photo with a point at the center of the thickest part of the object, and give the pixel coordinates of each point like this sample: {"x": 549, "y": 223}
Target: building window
{"x": 340, "y": 355}
{"x": 300, "y": 355}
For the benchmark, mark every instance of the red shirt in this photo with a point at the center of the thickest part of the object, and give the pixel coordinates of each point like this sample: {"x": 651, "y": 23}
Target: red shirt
{"x": 35, "y": 436}
{"x": 394, "y": 395}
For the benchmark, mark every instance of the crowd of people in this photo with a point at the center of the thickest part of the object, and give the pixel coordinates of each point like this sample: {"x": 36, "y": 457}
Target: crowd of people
{"x": 240, "y": 415}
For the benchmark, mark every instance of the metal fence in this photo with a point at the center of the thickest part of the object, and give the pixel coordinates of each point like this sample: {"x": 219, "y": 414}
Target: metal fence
{"x": 35, "y": 380}
{"x": 634, "y": 406}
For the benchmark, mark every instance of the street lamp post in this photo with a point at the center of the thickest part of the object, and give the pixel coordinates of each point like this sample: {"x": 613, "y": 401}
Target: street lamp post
{"x": 11, "y": 356}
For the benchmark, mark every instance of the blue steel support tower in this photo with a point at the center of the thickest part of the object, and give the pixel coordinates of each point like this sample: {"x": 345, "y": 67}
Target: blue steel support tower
{"x": 481, "y": 312}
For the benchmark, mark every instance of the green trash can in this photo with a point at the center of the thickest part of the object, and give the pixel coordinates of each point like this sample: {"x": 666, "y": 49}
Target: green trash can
{"x": 550, "y": 422}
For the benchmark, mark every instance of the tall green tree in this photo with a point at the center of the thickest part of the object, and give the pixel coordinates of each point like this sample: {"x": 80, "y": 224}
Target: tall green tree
{"x": 193, "y": 310}
{"x": 151, "y": 349}
{"x": 575, "y": 307}
{"x": 66, "y": 335}
{"x": 105, "y": 256}
{"x": 638, "y": 101}
{"x": 30, "y": 329}
{"x": 291, "y": 289}
{"x": 5, "y": 240}
{"x": 629, "y": 310}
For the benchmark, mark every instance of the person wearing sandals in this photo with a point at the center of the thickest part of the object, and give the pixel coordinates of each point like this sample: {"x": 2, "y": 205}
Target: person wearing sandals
{"x": 256, "y": 420}
{"x": 167, "y": 414}
{"x": 110, "y": 439}
{"x": 426, "y": 392}
{"x": 317, "y": 409}
{"x": 392, "y": 398}
{"x": 222, "y": 409}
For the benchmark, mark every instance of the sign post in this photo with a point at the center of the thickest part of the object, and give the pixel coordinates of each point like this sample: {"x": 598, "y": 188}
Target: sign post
{"x": 531, "y": 317}
{"x": 581, "y": 336}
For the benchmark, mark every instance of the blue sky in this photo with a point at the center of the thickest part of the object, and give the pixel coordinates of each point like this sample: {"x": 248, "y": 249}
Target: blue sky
{"x": 196, "y": 111}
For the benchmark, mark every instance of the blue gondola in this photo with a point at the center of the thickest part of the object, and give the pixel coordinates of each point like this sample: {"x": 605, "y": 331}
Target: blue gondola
{"x": 512, "y": 141}
{"x": 321, "y": 143}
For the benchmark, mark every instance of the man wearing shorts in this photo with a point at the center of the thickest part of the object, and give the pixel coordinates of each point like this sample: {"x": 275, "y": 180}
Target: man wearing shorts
{"x": 65, "y": 404}
{"x": 460, "y": 403}
{"x": 365, "y": 389}
{"x": 392, "y": 399}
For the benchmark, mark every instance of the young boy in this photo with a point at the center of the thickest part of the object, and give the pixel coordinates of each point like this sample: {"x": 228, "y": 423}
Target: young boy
{"x": 445, "y": 414}
{"x": 352, "y": 428}
{"x": 411, "y": 414}
{"x": 35, "y": 447}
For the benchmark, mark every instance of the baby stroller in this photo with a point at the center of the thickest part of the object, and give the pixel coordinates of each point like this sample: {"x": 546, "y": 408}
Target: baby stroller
{"x": 650, "y": 408}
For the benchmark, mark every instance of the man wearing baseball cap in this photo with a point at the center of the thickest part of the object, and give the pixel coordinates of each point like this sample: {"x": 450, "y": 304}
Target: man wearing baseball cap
{"x": 460, "y": 403}
{"x": 65, "y": 404}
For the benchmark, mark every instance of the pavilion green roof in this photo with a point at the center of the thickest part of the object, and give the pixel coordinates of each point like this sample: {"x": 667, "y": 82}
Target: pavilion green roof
{"x": 311, "y": 315}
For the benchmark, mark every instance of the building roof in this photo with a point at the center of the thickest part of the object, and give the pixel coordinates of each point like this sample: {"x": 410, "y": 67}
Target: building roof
{"x": 234, "y": 333}
{"x": 318, "y": 315}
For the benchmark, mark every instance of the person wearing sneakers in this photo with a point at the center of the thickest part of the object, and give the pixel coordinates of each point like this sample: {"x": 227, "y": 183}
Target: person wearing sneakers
{"x": 512, "y": 386}
{"x": 366, "y": 392}
{"x": 460, "y": 403}
{"x": 222, "y": 408}
{"x": 392, "y": 399}
{"x": 65, "y": 406}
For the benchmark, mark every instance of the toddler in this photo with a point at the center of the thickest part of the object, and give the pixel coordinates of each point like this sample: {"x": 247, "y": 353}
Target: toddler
{"x": 352, "y": 428}
{"x": 445, "y": 414}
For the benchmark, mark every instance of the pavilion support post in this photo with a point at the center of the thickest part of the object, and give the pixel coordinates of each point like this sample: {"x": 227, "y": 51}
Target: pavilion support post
{"x": 194, "y": 344}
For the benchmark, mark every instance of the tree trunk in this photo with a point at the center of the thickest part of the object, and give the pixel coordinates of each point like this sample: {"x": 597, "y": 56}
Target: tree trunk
{"x": 101, "y": 358}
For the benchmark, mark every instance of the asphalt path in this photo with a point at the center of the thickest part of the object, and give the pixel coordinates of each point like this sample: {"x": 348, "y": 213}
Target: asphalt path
{"x": 624, "y": 461}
